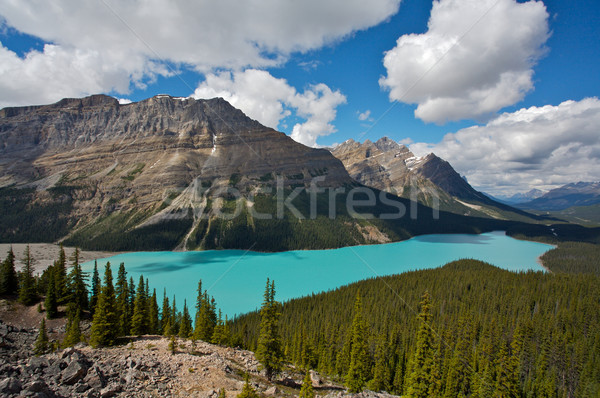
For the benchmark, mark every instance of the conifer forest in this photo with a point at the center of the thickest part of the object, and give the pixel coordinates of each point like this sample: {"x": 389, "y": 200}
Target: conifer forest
{"x": 467, "y": 329}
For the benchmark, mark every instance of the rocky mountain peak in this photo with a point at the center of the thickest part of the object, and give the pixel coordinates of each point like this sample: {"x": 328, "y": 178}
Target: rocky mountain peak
{"x": 386, "y": 144}
{"x": 130, "y": 157}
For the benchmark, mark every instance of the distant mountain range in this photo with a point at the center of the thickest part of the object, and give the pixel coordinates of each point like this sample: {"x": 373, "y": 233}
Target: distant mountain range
{"x": 171, "y": 173}
{"x": 575, "y": 194}
{"x": 519, "y": 197}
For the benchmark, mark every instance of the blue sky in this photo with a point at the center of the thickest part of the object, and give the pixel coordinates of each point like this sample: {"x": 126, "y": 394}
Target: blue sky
{"x": 505, "y": 90}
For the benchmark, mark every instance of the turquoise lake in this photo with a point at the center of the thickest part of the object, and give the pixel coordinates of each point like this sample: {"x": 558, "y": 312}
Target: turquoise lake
{"x": 236, "y": 279}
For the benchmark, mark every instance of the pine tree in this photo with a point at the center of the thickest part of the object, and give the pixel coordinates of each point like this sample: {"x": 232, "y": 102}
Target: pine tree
{"x": 139, "y": 322}
{"x": 222, "y": 393}
{"x": 153, "y": 321}
{"x": 60, "y": 275}
{"x": 104, "y": 325}
{"x": 507, "y": 382}
{"x": 219, "y": 336}
{"x": 358, "y": 372}
{"x": 27, "y": 290}
{"x": 41, "y": 343}
{"x": 9, "y": 280}
{"x": 124, "y": 310}
{"x": 173, "y": 344}
{"x": 51, "y": 302}
{"x": 185, "y": 326}
{"x": 95, "y": 288}
{"x": 458, "y": 382}
{"x": 78, "y": 294}
{"x": 268, "y": 351}
{"x": 132, "y": 294}
{"x": 73, "y": 333}
{"x": 165, "y": 318}
{"x": 175, "y": 317}
{"x": 247, "y": 391}
{"x": 306, "y": 391}
{"x": 419, "y": 380}
{"x": 381, "y": 370}
{"x": 206, "y": 316}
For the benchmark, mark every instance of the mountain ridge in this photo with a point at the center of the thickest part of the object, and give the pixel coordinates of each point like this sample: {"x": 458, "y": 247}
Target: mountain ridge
{"x": 178, "y": 173}
{"x": 570, "y": 195}
{"x": 429, "y": 179}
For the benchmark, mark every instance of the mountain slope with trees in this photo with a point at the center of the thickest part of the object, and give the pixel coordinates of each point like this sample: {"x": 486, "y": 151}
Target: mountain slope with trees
{"x": 466, "y": 329}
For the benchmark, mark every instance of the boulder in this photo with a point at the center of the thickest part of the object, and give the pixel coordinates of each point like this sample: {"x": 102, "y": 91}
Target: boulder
{"x": 95, "y": 378}
{"x": 36, "y": 364}
{"x": 37, "y": 386}
{"x": 81, "y": 387}
{"x": 272, "y": 391}
{"x": 55, "y": 369}
{"x": 74, "y": 372}
{"x": 10, "y": 385}
{"x": 316, "y": 379}
{"x": 110, "y": 390}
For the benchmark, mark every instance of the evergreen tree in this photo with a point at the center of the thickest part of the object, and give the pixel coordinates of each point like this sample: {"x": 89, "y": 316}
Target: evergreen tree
{"x": 381, "y": 371}
{"x": 153, "y": 321}
{"x": 132, "y": 295}
{"x": 507, "y": 381}
{"x": 124, "y": 310}
{"x": 27, "y": 289}
{"x": 60, "y": 275}
{"x": 104, "y": 325}
{"x": 139, "y": 322}
{"x": 51, "y": 302}
{"x": 41, "y": 343}
{"x": 9, "y": 281}
{"x": 175, "y": 317}
{"x": 220, "y": 333}
{"x": 459, "y": 369}
{"x": 95, "y": 288}
{"x": 173, "y": 344}
{"x": 78, "y": 294}
{"x": 185, "y": 325}
{"x": 222, "y": 393}
{"x": 248, "y": 391}
{"x": 306, "y": 391}
{"x": 165, "y": 318}
{"x": 73, "y": 333}
{"x": 268, "y": 351}
{"x": 419, "y": 380}
{"x": 206, "y": 316}
{"x": 206, "y": 319}
{"x": 399, "y": 373}
{"x": 358, "y": 372}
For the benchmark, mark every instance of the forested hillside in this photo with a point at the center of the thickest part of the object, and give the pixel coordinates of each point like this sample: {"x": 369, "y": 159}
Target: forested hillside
{"x": 466, "y": 329}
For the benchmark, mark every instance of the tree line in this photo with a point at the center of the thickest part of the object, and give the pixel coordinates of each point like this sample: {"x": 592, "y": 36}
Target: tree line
{"x": 478, "y": 331}
{"x": 116, "y": 306}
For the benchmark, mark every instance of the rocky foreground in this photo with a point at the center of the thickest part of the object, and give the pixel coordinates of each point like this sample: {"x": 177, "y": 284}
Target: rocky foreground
{"x": 145, "y": 367}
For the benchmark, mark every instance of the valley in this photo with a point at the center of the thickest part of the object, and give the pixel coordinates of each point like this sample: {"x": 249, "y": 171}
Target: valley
{"x": 181, "y": 194}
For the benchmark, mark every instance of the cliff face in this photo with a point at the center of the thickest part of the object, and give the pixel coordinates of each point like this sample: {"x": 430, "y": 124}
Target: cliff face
{"x": 176, "y": 140}
{"x": 430, "y": 180}
{"x": 155, "y": 157}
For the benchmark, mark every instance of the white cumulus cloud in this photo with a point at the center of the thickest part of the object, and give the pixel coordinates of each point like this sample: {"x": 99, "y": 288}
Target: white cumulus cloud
{"x": 362, "y": 116}
{"x": 270, "y": 100}
{"x": 104, "y": 46}
{"x": 536, "y": 147}
{"x": 475, "y": 58}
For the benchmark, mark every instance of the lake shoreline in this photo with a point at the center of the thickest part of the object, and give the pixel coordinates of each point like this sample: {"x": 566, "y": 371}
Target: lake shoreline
{"x": 44, "y": 254}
